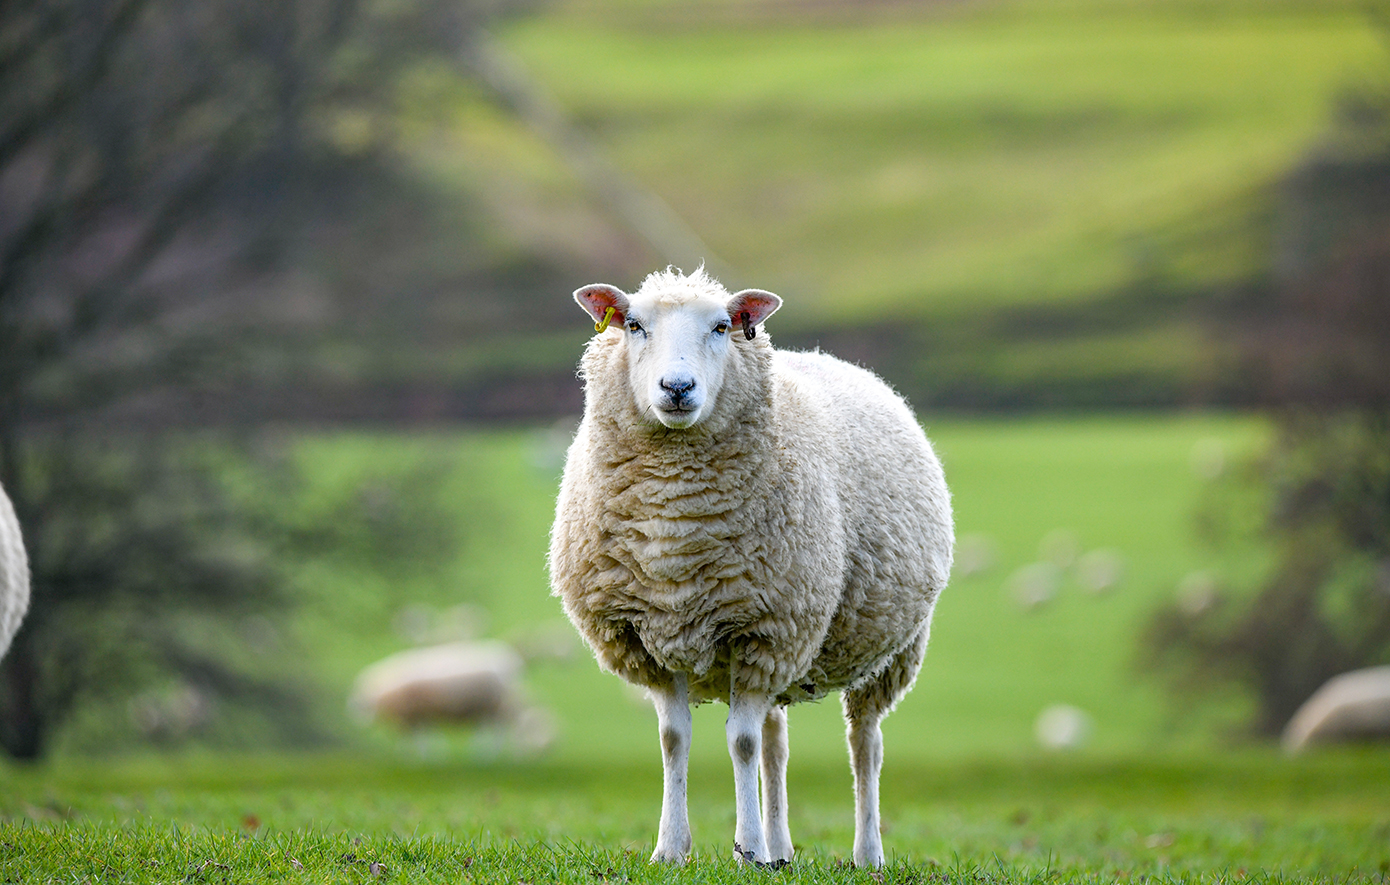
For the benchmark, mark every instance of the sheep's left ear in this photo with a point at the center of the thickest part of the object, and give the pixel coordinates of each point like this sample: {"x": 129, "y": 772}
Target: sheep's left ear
{"x": 598, "y": 299}
{"x": 759, "y": 305}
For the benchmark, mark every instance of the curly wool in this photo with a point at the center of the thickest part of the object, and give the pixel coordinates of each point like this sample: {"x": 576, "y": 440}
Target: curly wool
{"x": 804, "y": 528}
{"x": 14, "y": 574}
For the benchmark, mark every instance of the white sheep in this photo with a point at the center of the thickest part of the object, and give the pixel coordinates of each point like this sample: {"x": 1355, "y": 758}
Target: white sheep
{"x": 14, "y": 574}
{"x": 1351, "y": 706}
{"x": 749, "y": 525}
{"x": 462, "y": 683}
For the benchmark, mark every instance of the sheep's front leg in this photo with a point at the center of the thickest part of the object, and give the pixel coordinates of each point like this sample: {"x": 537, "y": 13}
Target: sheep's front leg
{"x": 747, "y": 713}
{"x": 673, "y": 723}
{"x": 775, "y": 828}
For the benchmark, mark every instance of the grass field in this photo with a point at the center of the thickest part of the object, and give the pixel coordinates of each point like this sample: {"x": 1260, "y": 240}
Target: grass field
{"x": 1245, "y": 817}
{"x": 1155, "y": 795}
{"x": 1025, "y": 491}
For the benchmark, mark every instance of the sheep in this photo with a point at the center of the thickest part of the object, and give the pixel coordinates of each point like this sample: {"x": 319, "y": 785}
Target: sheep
{"x": 14, "y": 574}
{"x": 470, "y": 683}
{"x": 749, "y": 525}
{"x": 1351, "y": 706}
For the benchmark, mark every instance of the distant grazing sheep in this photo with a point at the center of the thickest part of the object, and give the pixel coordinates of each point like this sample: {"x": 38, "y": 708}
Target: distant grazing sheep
{"x": 749, "y": 525}
{"x": 1354, "y": 706}
{"x": 14, "y": 574}
{"x": 462, "y": 683}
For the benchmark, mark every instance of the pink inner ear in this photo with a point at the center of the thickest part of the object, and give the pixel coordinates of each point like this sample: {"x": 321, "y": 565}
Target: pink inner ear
{"x": 759, "y": 305}
{"x": 596, "y": 300}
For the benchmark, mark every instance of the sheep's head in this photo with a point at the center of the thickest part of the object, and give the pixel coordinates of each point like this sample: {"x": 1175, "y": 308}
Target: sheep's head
{"x": 679, "y": 333}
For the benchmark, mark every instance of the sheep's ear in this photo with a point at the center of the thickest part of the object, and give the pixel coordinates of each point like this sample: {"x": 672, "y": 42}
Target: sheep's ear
{"x": 759, "y": 305}
{"x": 597, "y": 299}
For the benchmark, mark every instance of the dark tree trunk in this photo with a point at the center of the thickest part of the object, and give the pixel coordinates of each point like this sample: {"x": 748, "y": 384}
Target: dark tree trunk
{"x": 23, "y": 731}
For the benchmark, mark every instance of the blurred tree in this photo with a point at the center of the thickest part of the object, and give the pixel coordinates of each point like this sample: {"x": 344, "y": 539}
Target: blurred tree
{"x": 1318, "y": 351}
{"x": 160, "y": 163}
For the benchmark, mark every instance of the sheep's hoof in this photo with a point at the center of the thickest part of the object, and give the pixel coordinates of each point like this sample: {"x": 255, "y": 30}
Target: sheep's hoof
{"x": 746, "y": 856}
{"x": 672, "y": 857}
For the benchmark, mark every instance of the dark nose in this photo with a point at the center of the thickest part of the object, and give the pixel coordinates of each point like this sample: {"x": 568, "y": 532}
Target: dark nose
{"x": 677, "y": 387}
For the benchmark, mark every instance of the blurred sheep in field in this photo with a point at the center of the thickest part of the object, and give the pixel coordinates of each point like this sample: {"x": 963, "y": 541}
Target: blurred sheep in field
{"x": 14, "y": 574}
{"x": 1099, "y": 571}
{"x": 1354, "y": 706}
{"x": 459, "y": 683}
{"x": 975, "y": 555}
{"x": 1062, "y": 727}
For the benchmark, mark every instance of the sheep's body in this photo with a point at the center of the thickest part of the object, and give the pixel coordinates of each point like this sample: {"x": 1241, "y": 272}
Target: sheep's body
{"x": 788, "y": 533}
{"x": 14, "y": 574}
{"x": 788, "y": 541}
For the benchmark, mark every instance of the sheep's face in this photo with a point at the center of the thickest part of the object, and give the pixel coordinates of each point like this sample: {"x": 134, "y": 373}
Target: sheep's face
{"x": 679, "y": 338}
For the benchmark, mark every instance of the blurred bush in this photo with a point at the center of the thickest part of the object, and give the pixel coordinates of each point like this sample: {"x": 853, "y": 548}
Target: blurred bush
{"x": 1317, "y": 349}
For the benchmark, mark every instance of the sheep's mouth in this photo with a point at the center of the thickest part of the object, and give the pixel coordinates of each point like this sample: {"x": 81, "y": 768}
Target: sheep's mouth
{"x": 677, "y": 416}
{"x": 675, "y": 406}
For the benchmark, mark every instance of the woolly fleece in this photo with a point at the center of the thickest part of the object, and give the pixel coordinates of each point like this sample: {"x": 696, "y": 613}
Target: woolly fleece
{"x": 14, "y": 574}
{"x": 803, "y": 526}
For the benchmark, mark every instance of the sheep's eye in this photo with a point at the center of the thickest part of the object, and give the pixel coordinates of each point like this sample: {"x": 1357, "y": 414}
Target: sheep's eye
{"x": 634, "y": 326}
{"x": 721, "y": 329}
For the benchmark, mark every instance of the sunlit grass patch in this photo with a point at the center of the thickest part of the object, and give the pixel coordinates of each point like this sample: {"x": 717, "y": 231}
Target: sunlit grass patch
{"x": 1228, "y": 818}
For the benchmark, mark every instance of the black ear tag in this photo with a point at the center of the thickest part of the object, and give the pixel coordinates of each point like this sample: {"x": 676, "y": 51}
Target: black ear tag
{"x": 748, "y": 331}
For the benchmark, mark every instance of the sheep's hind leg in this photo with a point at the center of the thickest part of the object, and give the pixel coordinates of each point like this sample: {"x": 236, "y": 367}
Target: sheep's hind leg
{"x": 673, "y": 722}
{"x": 866, "y": 759}
{"x": 865, "y": 708}
{"x": 744, "y": 730}
{"x": 776, "y": 831}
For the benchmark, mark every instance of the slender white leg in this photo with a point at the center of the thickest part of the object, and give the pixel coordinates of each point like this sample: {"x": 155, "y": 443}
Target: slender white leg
{"x": 776, "y": 830}
{"x": 673, "y": 722}
{"x": 866, "y": 758}
{"x": 745, "y": 731}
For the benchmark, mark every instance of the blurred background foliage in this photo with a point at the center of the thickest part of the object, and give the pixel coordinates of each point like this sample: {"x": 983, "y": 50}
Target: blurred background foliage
{"x": 279, "y": 283}
{"x": 1316, "y": 350}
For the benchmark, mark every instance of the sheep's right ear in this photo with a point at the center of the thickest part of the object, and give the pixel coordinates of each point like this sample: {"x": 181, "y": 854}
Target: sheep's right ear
{"x": 750, "y": 307}
{"x": 598, "y": 299}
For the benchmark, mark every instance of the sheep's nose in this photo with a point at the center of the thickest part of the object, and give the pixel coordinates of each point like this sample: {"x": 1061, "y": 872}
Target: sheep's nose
{"x": 678, "y": 387}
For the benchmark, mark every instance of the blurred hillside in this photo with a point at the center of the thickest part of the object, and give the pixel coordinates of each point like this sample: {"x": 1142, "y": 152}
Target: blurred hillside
{"x": 996, "y": 204}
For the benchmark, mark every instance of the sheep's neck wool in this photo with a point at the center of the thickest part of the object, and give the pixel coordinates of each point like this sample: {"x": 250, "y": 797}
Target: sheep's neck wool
{"x": 680, "y": 517}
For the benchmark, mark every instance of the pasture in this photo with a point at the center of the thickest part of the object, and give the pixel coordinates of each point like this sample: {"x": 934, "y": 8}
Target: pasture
{"x": 1158, "y": 792}
{"x": 1249, "y": 816}
{"x": 1040, "y": 495}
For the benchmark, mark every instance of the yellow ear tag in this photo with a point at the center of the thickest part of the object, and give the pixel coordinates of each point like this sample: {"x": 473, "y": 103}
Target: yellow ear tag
{"x": 607, "y": 318}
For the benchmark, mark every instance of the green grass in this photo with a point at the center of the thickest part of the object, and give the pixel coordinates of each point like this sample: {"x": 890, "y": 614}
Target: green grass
{"x": 1120, "y": 484}
{"x": 1025, "y": 491}
{"x": 968, "y": 795}
{"x": 1251, "y": 817}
